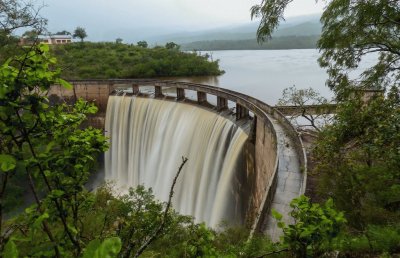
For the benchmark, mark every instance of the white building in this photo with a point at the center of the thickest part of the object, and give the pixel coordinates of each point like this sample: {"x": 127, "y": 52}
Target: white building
{"x": 51, "y": 40}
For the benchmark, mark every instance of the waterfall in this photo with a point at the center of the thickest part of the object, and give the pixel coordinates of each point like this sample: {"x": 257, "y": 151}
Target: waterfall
{"x": 148, "y": 138}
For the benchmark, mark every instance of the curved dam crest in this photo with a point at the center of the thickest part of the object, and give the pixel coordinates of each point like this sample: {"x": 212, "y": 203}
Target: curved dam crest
{"x": 148, "y": 138}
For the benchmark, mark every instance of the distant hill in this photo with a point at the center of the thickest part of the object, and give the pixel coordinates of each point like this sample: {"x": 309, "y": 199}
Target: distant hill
{"x": 284, "y": 42}
{"x": 303, "y": 29}
{"x": 296, "y": 26}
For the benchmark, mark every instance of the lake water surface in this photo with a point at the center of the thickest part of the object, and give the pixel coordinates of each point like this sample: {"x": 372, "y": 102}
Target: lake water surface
{"x": 265, "y": 73}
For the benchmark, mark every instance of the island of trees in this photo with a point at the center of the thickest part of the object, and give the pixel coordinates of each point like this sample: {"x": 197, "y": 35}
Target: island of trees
{"x": 118, "y": 60}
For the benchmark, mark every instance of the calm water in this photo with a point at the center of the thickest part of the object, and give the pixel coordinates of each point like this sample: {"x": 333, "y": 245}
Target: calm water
{"x": 265, "y": 73}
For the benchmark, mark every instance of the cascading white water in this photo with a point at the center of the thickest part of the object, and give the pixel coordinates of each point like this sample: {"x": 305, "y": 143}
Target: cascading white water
{"x": 148, "y": 137}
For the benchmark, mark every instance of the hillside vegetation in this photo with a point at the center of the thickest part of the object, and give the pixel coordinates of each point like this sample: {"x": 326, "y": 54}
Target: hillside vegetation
{"x": 301, "y": 26}
{"x": 289, "y": 42}
{"x": 116, "y": 60}
{"x": 292, "y": 35}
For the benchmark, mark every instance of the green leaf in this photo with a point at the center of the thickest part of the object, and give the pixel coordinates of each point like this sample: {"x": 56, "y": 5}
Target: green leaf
{"x": 281, "y": 224}
{"x": 44, "y": 47}
{"x": 50, "y": 145}
{"x": 7, "y": 162}
{"x": 56, "y": 193}
{"x": 10, "y": 250}
{"x": 276, "y": 214}
{"x": 65, "y": 84}
{"x": 39, "y": 220}
{"x": 110, "y": 248}
{"x": 91, "y": 249}
{"x": 31, "y": 209}
{"x": 72, "y": 229}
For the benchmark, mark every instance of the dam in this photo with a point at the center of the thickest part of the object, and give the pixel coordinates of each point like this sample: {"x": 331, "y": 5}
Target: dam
{"x": 244, "y": 155}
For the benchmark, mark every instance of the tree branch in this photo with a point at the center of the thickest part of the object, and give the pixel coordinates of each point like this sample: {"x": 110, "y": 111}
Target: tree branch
{"x": 164, "y": 219}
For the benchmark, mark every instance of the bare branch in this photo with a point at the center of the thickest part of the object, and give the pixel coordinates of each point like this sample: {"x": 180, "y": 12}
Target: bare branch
{"x": 164, "y": 219}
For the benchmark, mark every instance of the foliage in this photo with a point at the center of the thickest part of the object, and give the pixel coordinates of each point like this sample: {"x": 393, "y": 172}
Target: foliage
{"x": 17, "y": 14}
{"x": 109, "y": 248}
{"x": 283, "y": 42}
{"x": 63, "y": 32}
{"x": 358, "y": 160}
{"x": 142, "y": 44}
{"x": 172, "y": 45}
{"x": 357, "y": 157}
{"x": 111, "y": 60}
{"x": 351, "y": 30}
{"x": 271, "y": 13}
{"x": 132, "y": 218}
{"x": 80, "y": 33}
{"x": 31, "y": 35}
{"x": 314, "y": 228}
{"x": 300, "y": 99}
{"x": 46, "y": 145}
{"x": 376, "y": 239}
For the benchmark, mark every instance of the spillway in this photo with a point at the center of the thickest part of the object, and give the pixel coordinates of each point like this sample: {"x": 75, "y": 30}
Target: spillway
{"x": 148, "y": 138}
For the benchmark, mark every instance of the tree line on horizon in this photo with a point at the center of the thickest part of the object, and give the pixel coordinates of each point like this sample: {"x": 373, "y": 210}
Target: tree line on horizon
{"x": 276, "y": 43}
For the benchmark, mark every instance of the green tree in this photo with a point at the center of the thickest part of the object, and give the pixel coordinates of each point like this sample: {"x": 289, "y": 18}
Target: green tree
{"x": 63, "y": 32}
{"x": 358, "y": 161}
{"x": 351, "y": 30}
{"x": 118, "y": 40}
{"x": 171, "y": 45}
{"x": 357, "y": 156}
{"x": 30, "y": 35}
{"x": 314, "y": 227}
{"x": 142, "y": 44}
{"x": 301, "y": 99}
{"x": 46, "y": 145}
{"x": 105, "y": 60}
{"x": 16, "y": 14}
{"x": 80, "y": 33}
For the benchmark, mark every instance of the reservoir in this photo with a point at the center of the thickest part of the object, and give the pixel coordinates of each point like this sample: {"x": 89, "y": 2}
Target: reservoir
{"x": 264, "y": 74}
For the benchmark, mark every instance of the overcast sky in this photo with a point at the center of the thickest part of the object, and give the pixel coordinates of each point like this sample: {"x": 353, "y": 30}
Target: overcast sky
{"x": 109, "y": 18}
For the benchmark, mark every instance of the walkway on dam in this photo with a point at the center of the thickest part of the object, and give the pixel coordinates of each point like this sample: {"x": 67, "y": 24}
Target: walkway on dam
{"x": 289, "y": 185}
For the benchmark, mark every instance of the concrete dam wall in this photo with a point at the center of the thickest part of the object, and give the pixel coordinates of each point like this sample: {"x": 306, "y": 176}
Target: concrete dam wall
{"x": 252, "y": 177}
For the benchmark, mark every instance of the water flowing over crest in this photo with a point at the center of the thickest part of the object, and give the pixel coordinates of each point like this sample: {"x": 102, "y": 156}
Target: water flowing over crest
{"x": 148, "y": 138}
